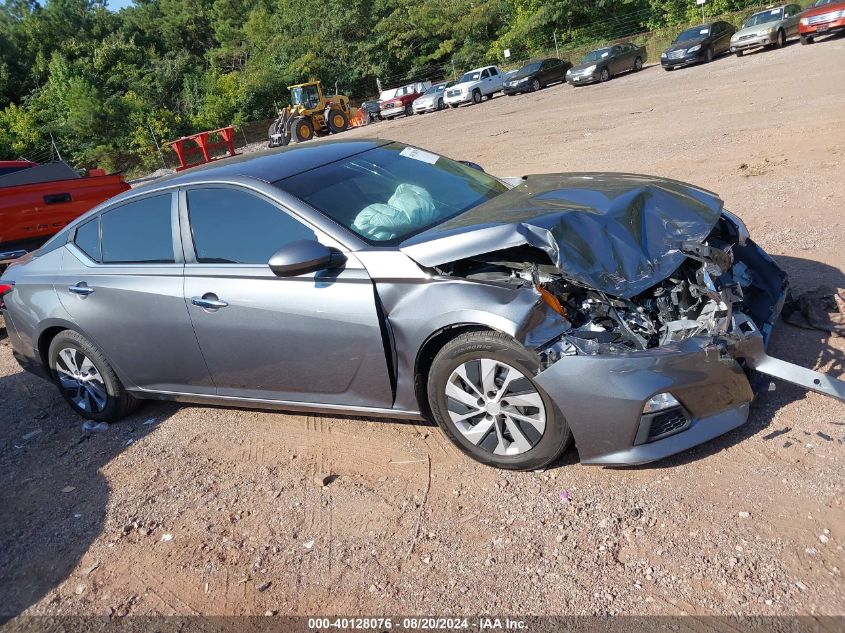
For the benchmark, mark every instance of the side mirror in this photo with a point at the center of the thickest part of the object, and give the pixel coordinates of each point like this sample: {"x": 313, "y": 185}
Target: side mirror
{"x": 303, "y": 256}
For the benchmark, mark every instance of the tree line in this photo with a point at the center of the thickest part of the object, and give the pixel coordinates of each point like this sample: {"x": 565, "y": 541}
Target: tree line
{"x": 105, "y": 85}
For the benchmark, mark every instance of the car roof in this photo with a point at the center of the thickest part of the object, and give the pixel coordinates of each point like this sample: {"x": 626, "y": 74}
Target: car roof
{"x": 274, "y": 164}
{"x": 480, "y": 68}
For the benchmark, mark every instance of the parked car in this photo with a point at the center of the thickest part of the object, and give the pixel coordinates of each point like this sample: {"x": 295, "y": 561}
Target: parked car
{"x": 371, "y": 278}
{"x": 432, "y": 99}
{"x": 373, "y": 109}
{"x": 771, "y": 27}
{"x": 474, "y": 85}
{"x": 37, "y": 201}
{"x": 698, "y": 44}
{"x": 603, "y": 63}
{"x": 403, "y": 99}
{"x": 536, "y": 75}
{"x": 823, "y": 18}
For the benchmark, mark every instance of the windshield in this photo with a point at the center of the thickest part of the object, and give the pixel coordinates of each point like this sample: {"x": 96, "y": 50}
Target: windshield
{"x": 596, "y": 55}
{"x": 390, "y": 193}
{"x": 529, "y": 69}
{"x": 304, "y": 96}
{"x": 471, "y": 76}
{"x": 770, "y": 15}
{"x": 435, "y": 89}
{"x": 821, "y": 3}
{"x": 695, "y": 33}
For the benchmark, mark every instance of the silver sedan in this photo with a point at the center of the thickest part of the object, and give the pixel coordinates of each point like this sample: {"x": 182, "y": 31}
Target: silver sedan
{"x": 373, "y": 278}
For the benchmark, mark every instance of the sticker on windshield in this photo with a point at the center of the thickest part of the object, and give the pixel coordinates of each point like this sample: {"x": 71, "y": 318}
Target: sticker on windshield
{"x": 419, "y": 154}
{"x": 775, "y": 11}
{"x": 605, "y": 54}
{"x": 704, "y": 31}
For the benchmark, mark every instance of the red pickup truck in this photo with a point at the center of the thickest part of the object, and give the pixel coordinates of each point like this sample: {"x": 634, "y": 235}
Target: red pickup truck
{"x": 402, "y": 100}
{"x": 36, "y": 201}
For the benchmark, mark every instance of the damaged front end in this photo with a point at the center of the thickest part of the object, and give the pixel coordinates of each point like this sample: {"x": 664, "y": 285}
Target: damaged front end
{"x": 645, "y": 370}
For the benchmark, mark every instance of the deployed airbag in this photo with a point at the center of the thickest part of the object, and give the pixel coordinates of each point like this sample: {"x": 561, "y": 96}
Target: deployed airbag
{"x": 409, "y": 207}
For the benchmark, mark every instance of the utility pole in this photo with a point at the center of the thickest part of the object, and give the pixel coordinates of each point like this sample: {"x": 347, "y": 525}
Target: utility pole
{"x": 378, "y": 85}
{"x": 557, "y": 52}
{"x": 454, "y": 74}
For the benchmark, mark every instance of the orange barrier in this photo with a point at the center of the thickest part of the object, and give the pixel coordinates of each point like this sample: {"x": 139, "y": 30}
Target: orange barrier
{"x": 203, "y": 148}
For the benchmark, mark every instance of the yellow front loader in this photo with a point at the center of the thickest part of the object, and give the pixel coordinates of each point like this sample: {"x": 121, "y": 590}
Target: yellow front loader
{"x": 310, "y": 114}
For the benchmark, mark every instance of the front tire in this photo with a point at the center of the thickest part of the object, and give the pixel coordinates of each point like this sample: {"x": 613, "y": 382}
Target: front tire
{"x": 708, "y": 56}
{"x": 780, "y": 42}
{"x": 740, "y": 53}
{"x": 638, "y": 64}
{"x": 535, "y": 85}
{"x": 806, "y": 39}
{"x": 86, "y": 380}
{"x": 604, "y": 75}
{"x": 476, "y": 97}
{"x": 482, "y": 394}
{"x": 454, "y": 105}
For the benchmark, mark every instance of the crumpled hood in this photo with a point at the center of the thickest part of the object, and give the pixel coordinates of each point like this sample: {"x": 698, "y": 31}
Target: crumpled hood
{"x": 617, "y": 233}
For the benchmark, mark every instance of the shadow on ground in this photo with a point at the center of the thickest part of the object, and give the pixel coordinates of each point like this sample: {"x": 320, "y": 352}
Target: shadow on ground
{"x": 53, "y": 497}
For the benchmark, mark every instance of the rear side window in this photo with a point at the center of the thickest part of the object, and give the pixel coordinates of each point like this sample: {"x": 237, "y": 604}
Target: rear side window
{"x": 88, "y": 239}
{"x": 138, "y": 232}
{"x": 493, "y": 72}
{"x": 231, "y": 226}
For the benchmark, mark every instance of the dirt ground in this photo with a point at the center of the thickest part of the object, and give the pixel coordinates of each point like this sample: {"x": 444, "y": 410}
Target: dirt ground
{"x": 192, "y": 510}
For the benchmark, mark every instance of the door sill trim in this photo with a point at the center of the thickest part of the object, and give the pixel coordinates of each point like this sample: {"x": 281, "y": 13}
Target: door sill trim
{"x": 285, "y": 405}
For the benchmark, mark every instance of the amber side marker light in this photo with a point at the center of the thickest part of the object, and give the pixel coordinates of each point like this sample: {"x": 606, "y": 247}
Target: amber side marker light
{"x": 552, "y": 301}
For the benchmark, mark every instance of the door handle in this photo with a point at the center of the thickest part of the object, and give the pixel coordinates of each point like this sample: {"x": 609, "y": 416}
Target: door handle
{"x": 81, "y": 289}
{"x": 212, "y": 304}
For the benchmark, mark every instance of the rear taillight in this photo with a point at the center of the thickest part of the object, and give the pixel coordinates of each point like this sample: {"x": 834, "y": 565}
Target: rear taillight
{"x": 5, "y": 288}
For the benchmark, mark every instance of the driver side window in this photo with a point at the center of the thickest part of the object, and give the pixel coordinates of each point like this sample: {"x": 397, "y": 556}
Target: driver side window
{"x": 232, "y": 226}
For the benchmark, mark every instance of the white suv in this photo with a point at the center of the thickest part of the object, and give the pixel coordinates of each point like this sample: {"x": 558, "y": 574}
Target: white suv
{"x": 474, "y": 85}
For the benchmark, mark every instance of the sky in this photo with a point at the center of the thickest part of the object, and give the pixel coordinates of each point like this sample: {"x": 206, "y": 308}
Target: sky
{"x": 117, "y": 5}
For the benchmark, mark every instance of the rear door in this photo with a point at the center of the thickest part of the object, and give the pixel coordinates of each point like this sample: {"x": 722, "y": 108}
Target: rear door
{"x": 313, "y": 338}
{"x": 121, "y": 282}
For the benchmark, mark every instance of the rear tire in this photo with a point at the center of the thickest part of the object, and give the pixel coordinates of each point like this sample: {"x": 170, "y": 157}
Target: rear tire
{"x": 533, "y": 439}
{"x": 85, "y": 379}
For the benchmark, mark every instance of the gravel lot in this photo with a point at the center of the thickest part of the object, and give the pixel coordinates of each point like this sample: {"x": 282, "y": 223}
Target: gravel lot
{"x": 192, "y": 510}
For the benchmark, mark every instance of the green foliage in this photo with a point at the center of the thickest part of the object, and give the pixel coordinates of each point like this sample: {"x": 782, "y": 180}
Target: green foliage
{"x": 109, "y": 86}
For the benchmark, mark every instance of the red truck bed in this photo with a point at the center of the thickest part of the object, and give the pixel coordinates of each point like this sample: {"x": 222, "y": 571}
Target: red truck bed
{"x": 37, "y": 201}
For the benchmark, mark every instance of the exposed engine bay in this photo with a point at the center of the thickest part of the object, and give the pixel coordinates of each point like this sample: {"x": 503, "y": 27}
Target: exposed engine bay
{"x": 700, "y": 298}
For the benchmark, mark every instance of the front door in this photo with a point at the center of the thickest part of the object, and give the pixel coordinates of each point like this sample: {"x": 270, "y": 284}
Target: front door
{"x": 311, "y": 338}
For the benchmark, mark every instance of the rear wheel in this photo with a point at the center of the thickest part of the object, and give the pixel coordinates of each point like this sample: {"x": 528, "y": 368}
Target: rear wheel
{"x": 807, "y": 39}
{"x": 476, "y": 96}
{"x": 482, "y": 393}
{"x": 86, "y": 380}
{"x": 302, "y": 130}
{"x": 337, "y": 121}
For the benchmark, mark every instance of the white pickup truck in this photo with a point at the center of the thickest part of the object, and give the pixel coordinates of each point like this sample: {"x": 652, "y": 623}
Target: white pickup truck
{"x": 475, "y": 85}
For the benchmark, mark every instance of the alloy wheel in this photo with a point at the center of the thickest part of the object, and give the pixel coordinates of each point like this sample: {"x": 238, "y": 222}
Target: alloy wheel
{"x": 80, "y": 379}
{"x": 495, "y": 406}
{"x": 535, "y": 85}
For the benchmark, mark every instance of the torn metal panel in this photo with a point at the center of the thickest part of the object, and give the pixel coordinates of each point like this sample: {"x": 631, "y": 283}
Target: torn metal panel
{"x": 797, "y": 375}
{"x": 416, "y": 311}
{"x": 617, "y": 233}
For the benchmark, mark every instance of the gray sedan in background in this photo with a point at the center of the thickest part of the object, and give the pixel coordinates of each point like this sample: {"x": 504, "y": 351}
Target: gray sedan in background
{"x": 372, "y": 278}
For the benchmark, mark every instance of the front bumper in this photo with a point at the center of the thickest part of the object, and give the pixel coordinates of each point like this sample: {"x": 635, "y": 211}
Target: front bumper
{"x": 577, "y": 80}
{"x": 516, "y": 89}
{"x": 823, "y": 28}
{"x": 602, "y": 397}
{"x": 753, "y": 42}
{"x": 458, "y": 99}
{"x": 392, "y": 112}
{"x": 429, "y": 107}
{"x": 686, "y": 60}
